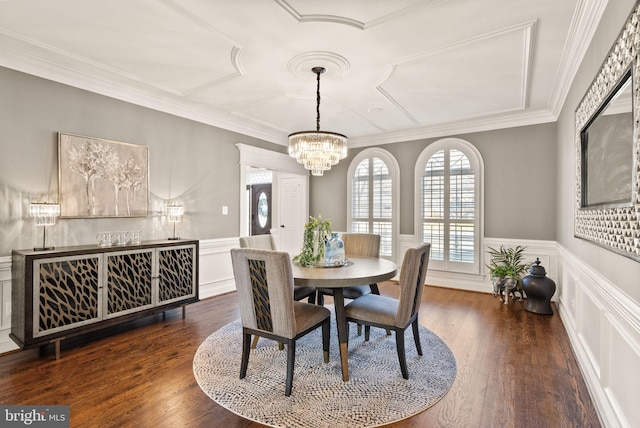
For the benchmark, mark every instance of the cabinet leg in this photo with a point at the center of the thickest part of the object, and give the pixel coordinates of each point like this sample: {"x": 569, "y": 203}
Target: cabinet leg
{"x": 184, "y": 311}
{"x": 56, "y": 343}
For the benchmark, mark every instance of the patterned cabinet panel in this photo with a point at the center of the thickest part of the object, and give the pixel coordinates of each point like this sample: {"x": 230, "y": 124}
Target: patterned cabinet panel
{"x": 66, "y": 293}
{"x": 176, "y": 273}
{"x": 128, "y": 282}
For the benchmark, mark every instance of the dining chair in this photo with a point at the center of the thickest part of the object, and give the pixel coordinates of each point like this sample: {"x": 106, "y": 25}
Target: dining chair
{"x": 356, "y": 245}
{"x": 267, "y": 242}
{"x": 264, "y": 281}
{"x": 396, "y": 314}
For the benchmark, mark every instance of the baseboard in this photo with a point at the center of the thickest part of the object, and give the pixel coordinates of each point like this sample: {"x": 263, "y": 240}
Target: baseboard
{"x": 6, "y": 344}
{"x": 217, "y": 288}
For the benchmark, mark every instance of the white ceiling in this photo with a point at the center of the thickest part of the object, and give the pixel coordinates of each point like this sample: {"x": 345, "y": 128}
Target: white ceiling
{"x": 397, "y": 70}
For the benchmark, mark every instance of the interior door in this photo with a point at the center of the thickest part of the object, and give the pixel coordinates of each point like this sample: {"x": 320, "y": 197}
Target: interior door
{"x": 261, "y": 208}
{"x": 293, "y": 212}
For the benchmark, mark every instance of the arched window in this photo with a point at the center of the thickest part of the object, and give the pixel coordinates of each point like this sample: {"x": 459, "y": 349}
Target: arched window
{"x": 449, "y": 177}
{"x": 373, "y": 194}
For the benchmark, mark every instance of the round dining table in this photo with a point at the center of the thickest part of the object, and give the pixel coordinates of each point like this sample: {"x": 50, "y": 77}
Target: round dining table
{"x": 357, "y": 271}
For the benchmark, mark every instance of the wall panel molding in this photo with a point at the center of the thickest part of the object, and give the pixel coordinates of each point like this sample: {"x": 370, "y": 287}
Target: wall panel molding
{"x": 6, "y": 344}
{"x": 603, "y": 325}
{"x": 545, "y": 250}
{"x": 216, "y": 271}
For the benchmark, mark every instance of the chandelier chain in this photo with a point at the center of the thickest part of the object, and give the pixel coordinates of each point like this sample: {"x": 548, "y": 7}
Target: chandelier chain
{"x": 318, "y": 72}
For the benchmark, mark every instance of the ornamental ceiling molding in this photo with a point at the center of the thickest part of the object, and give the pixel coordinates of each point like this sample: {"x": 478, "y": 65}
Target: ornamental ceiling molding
{"x": 343, "y": 20}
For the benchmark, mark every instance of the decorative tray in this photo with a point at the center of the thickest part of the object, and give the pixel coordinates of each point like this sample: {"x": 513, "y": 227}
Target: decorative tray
{"x": 341, "y": 263}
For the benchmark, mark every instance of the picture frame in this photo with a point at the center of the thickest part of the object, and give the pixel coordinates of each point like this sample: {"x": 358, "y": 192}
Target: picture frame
{"x": 613, "y": 223}
{"x": 102, "y": 178}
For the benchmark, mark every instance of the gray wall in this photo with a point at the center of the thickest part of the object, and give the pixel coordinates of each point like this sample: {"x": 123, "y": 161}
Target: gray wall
{"x": 193, "y": 162}
{"x": 621, "y": 271}
{"x": 520, "y": 182}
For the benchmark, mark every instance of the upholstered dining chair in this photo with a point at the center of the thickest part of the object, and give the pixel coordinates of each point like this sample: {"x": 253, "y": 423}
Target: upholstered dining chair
{"x": 396, "y": 314}
{"x": 267, "y": 242}
{"x": 356, "y": 245}
{"x": 264, "y": 281}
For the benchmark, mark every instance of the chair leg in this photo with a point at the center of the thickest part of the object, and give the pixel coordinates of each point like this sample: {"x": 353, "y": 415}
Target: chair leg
{"x": 246, "y": 341}
{"x": 367, "y": 332}
{"x": 312, "y": 298}
{"x": 291, "y": 361}
{"x": 401, "y": 355}
{"x": 326, "y": 340}
{"x": 360, "y": 330}
{"x": 416, "y": 336}
{"x": 320, "y": 298}
{"x": 255, "y": 342}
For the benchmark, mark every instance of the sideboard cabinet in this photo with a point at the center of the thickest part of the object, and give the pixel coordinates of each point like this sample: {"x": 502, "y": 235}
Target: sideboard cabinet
{"x": 73, "y": 290}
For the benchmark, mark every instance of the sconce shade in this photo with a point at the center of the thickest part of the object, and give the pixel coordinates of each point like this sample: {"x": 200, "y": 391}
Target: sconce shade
{"x": 174, "y": 213}
{"x": 44, "y": 214}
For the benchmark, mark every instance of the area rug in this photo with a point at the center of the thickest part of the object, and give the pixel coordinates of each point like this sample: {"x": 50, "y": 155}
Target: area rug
{"x": 376, "y": 393}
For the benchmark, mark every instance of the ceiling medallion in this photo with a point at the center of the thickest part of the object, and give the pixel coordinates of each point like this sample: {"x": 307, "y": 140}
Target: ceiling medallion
{"x": 336, "y": 66}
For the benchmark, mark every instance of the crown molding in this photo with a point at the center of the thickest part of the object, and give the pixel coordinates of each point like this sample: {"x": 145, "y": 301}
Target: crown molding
{"x": 455, "y": 128}
{"x": 584, "y": 24}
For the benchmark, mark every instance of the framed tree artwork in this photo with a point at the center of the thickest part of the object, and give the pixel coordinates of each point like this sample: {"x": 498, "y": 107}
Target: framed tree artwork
{"x": 102, "y": 178}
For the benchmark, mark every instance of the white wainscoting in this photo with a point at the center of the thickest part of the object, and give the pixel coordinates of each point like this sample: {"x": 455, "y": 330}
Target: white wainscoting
{"x": 545, "y": 250}
{"x": 216, "y": 272}
{"x": 6, "y": 344}
{"x": 603, "y": 325}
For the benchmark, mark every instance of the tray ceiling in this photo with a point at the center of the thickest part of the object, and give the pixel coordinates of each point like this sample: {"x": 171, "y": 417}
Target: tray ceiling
{"x": 396, "y": 70}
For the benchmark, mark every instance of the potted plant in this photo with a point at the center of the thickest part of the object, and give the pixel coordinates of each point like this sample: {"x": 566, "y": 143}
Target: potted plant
{"x": 316, "y": 231}
{"x": 507, "y": 269}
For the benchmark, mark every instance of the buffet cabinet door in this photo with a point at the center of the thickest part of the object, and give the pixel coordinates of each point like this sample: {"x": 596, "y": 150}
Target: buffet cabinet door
{"x": 67, "y": 293}
{"x": 128, "y": 282}
{"x": 176, "y": 273}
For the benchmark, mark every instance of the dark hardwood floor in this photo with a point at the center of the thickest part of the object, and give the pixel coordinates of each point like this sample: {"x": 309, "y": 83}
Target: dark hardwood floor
{"x": 515, "y": 369}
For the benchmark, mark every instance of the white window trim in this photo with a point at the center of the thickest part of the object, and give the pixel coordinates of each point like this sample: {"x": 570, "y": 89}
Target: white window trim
{"x": 394, "y": 172}
{"x": 477, "y": 163}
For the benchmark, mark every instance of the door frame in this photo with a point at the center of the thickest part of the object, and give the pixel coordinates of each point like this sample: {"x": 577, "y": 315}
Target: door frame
{"x": 256, "y": 157}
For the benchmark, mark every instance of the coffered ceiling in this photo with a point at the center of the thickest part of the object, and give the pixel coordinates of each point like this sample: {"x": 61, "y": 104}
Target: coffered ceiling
{"x": 397, "y": 70}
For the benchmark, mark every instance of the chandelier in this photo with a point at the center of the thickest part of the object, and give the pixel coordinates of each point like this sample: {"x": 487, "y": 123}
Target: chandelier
{"x": 317, "y": 150}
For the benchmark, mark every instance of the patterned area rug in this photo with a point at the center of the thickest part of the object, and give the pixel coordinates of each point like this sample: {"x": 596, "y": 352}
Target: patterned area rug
{"x": 376, "y": 393}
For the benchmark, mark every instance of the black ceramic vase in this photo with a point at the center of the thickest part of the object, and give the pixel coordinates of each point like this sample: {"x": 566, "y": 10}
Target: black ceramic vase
{"x": 539, "y": 290}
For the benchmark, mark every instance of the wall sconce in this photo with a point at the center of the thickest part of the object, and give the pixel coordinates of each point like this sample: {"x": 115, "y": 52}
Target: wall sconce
{"x": 44, "y": 215}
{"x": 174, "y": 215}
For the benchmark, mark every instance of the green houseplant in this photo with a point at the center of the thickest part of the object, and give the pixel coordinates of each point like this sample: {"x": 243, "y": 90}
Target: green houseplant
{"x": 507, "y": 265}
{"x": 316, "y": 231}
